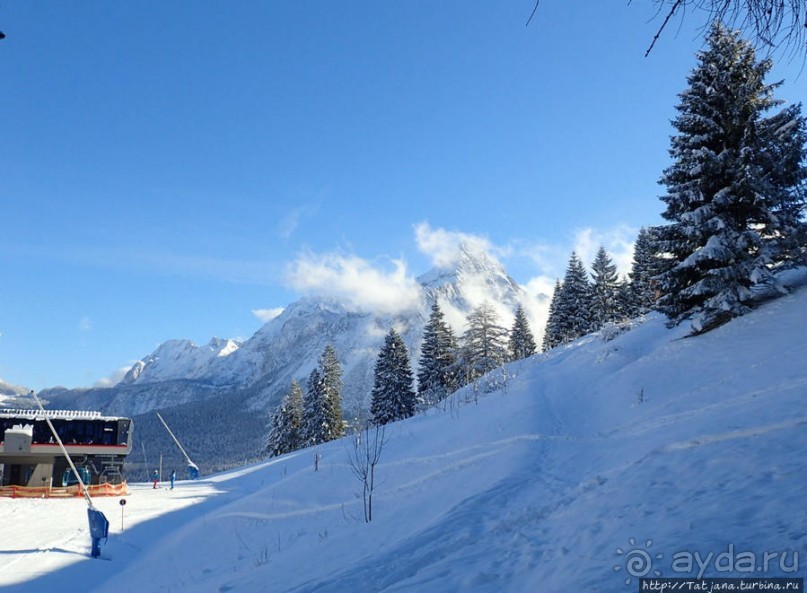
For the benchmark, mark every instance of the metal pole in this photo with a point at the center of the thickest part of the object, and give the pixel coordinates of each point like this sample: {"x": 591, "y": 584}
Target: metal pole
{"x": 187, "y": 459}
{"x": 64, "y": 452}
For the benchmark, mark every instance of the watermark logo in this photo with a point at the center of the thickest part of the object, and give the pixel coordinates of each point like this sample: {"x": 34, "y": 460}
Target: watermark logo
{"x": 638, "y": 562}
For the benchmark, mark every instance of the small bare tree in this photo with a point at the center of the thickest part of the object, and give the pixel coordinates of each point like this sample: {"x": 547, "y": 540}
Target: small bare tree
{"x": 368, "y": 444}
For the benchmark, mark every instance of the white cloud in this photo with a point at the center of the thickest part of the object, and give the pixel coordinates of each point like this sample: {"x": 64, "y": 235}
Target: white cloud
{"x": 443, "y": 247}
{"x": 618, "y": 242}
{"x": 114, "y": 378}
{"x": 266, "y": 315}
{"x": 367, "y": 286}
{"x": 355, "y": 282}
{"x": 540, "y": 287}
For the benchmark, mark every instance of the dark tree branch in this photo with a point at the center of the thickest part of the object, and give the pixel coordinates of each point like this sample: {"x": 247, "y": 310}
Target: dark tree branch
{"x": 670, "y": 14}
{"x": 772, "y": 23}
{"x": 532, "y": 14}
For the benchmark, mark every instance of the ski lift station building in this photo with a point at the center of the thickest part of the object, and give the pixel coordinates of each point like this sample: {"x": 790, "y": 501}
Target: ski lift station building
{"x": 31, "y": 457}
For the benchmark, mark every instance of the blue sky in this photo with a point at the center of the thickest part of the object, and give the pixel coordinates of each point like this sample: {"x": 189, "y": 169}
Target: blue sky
{"x": 168, "y": 169}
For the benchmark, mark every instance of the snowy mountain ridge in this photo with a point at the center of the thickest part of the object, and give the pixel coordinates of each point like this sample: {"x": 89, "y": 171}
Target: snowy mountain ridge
{"x": 288, "y": 346}
{"x": 474, "y": 277}
{"x": 179, "y": 359}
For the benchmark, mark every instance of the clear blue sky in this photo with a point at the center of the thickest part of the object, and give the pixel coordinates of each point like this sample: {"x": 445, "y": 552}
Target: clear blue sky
{"x": 168, "y": 169}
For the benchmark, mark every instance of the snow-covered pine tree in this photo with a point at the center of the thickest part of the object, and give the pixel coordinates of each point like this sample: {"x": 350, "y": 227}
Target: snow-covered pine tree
{"x": 393, "y": 397}
{"x": 521, "y": 343}
{"x": 626, "y": 300}
{"x": 286, "y": 432}
{"x": 573, "y": 304}
{"x": 645, "y": 266}
{"x": 784, "y": 137}
{"x": 551, "y": 334}
{"x": 731, "y": 200}
{"x": 315, "y": 420}
{"x": 438, "y": 354}
{"x": 484, "y": 345}
{"x": 605, "y": 305}
{"x": 331, "y": 373}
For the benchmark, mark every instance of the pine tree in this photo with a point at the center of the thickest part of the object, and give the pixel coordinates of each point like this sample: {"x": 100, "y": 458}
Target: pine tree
{"x": 438, "y": 354}
{"x": 573, "y": 303}
{"x": 331, "y": 372}
{"x": 484, "y": 343}
{"x": 784, "y": 138}
{"x": 287, "y": 423}
{"x": 314, "y": 414}
{"x": 393, "y": 397}
{"x": 735, "y": 190}
{"x": 605, "y": 305}
{"x": 647, "y": 264}
{"x": 521, "y": 343}
{"x": 322, "y": 407}
{"x": 551, "y": 332}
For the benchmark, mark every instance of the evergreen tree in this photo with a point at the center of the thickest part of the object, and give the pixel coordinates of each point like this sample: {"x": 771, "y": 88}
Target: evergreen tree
{"x": 605, "y": 305}
{"x": 322, "y": 407}
{"x": 735, "y": 190}
{"x": 573, "y": 304}
{"x": 287, "y": 423}
{"x": 484, "y": 343}
{"x": 646, "y": 265}
{"x": 393, "y": 397}
{"x": 551, "y": 332}
{"x": 521, "y": 343}
{"x": 784, "y": 138}
{"x": 331, "y": 372}
{"x": 315, "y": 419}
{"x": 438, "y": 354}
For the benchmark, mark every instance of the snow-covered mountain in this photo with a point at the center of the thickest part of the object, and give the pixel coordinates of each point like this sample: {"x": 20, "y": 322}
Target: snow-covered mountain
{"x": 288, "y": 346}
{"x": 179, "y": 359}
{"x": 10, "y": 395}
{"x": 615, "y": 457}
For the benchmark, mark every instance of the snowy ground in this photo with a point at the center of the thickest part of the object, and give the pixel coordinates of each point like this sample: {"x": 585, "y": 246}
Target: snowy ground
{"x": 552, "y": 484}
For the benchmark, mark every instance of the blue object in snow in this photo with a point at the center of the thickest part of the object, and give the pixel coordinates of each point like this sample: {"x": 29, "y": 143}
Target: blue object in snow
{"x": 99, "y": 529}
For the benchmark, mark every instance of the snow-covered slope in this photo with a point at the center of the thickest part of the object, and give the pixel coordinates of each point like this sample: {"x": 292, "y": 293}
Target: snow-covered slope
{"x": 604, "y": 450}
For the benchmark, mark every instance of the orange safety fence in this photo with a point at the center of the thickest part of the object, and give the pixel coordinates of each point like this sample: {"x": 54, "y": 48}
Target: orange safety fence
{"x": 66, "y": 492}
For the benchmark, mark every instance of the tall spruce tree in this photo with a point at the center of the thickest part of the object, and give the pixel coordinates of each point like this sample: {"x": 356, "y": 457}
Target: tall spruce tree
{"x": 315, "y": 417}
{"x": 735, "y": 189}
{"x": 626, "y": 300}
{"x": 484, "y": 345}
{"x": 551, "y": 332}
{"x": 521, "y": 343}
{"x": 645, "y": 266}
{"x": 331, "y": 372}
{"x": 438, "y": 354}
{"x": 573, "y": 305}
{"x": 287, "y": 423}
{"x": 393, "y": 397}
{"x": 605, "y": 290}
